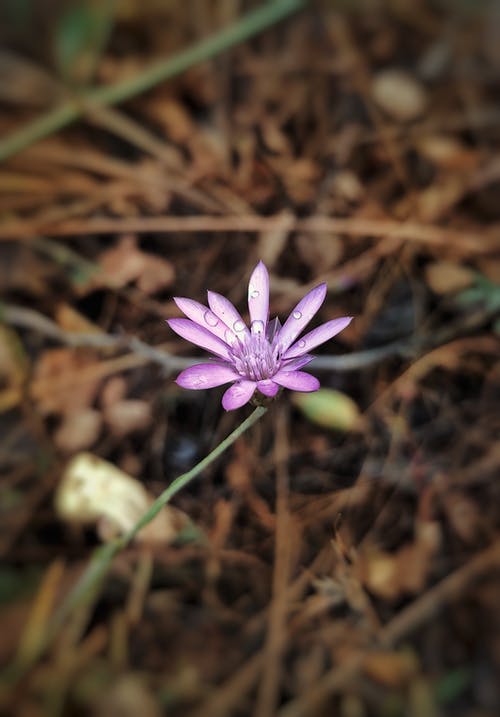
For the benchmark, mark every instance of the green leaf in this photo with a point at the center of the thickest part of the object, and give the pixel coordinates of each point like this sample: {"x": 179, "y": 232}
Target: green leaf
{"x": 484, "y": 292}
{"x": 81, "y": 35}
{"x": 329, "y": 409}
{"x": 451, "y": 686}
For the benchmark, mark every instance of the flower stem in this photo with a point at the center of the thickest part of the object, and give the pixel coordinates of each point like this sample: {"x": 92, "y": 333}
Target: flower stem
{"x": 88, "y": 584}
{"x": 55, "y": 119}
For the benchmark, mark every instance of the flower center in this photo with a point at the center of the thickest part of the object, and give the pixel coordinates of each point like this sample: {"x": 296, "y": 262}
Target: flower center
{"x": 254, "y": 357}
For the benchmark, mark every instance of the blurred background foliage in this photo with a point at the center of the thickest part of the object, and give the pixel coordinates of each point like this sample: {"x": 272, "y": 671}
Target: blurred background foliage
{"x": 69, "y": 36}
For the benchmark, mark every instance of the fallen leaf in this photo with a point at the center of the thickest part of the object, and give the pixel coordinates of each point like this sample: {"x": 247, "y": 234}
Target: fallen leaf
{"x": 399, "y": 94}
{"x": 127, "y": 416}
{"x": 446, "y": 277}
{"x": 72, "y": 321}
{"x": 78, "y": 430}
{"x": 56, "y": 386}
{"x": 126, "y": 263}
{"x": 392, "y": 669}
{"x": 390, "y": 575}
{"x": 114, "y": 390}
{"x": 436, "y": 201}
{"x": 319, "y": 252}
{"x": 347, "y": 185}
{"x": 329, "y": 409}
{"x": 95, "y": 492}
{"x": 447, "y": 152}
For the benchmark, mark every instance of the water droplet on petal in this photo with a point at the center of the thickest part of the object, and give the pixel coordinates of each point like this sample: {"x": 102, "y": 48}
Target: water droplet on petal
{"x": 254, "y": 294}
{"x": 257, "y": 327}
{"x": 301, "y": 344}
{"x": 210, "y": 318}
{"x": 230, "y": 337}
{"x": 238, "y": 325}
{"x": 297, "y": 315}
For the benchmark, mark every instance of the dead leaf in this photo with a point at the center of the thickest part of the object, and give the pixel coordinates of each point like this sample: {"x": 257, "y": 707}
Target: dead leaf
{"x": 56, "y": 386}
{"x": 392, "y": 669}
{"x": 72, "y": 321}
{"x": 447, "y": 153}
{"x": 127, "y": 416}
{"x": 347, "y": 185}
{"x": 126, "y": 263}
{"x": 79, "y": 430}
{"x": 437, "y": 200}
{"x": 320, "y": 252}
{"x": 399, "y": 94}
{"x": 95, "y": 492}
{"x": 446, "y": 277}
{"x": 390, "y": 575}
{"x": 113, "y": 391}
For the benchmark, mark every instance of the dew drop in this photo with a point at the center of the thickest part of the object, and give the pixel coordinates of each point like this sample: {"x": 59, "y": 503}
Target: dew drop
{"x": 257, "y": 327}
{"x": 297, "y": 315}
{"x": 301, "y": 344}
{"x": 210, "y": 318}
{"x": 230, "y": 337}
{"x": 254, "y": 294}
{"x": 238, "y": 325}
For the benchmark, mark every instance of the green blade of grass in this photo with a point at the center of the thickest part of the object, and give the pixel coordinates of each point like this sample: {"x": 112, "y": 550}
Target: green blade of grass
{"x": 55, "y": 119}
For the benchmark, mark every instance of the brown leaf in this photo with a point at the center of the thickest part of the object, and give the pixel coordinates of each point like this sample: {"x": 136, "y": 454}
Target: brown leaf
{"x": 57, "y": 386}
{"x": 399, "y": 94}
{"x": 445, "y": 277}
{"x": 95, "y": 492}
{"x": 114, "y": 390}
{"x": 391, "y": 575}
{"x": 392, "y": 669}
{"x": 447, "y": 153}
{"x": 126, "y": 416}
{"x": 78, "y": 431}
{"x": 320, "y": 252}
{"x": 126, "y": 263}
{"x": 72, "y": 321}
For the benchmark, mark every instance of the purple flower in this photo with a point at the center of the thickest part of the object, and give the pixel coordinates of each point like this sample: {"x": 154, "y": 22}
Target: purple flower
{"x": 263, "y": 357}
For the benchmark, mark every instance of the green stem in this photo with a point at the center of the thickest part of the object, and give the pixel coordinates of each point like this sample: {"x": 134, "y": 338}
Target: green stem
{"x": 246, "y": 27}
{"x": 89, "y": 583}
{"x": 99, "y": 564}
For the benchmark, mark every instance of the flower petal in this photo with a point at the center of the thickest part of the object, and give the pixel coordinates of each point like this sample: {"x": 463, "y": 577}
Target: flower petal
{"x": 296, "y": 363}
{"x": 202, "y": 316}
{"x": 268, "y": 387}
{"x": 238, "y": 394}
{"x": 227, "y": 313}
{"x": 258, "y": 294}
{"x": 318, "y": 336}
{"x": 297, "y": 380}
{"x": 272, "y": 329}
{"x": 200, "y": 336}
{"x": 300, "y": 316}
{"x": 205, "y": 375}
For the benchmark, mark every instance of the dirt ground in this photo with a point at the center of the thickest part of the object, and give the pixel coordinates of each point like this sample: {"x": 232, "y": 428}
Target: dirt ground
{"x": 343, "y": 556}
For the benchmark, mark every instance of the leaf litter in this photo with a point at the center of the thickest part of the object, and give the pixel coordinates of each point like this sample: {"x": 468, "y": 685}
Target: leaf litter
{"x": 342, "y": 558}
